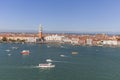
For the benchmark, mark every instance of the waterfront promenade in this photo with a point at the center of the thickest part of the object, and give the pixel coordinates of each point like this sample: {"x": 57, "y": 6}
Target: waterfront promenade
{"x": 75, "y": 39}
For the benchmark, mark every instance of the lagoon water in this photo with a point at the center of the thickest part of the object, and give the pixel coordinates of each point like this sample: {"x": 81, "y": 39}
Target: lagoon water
{"x": 90, "y": 63}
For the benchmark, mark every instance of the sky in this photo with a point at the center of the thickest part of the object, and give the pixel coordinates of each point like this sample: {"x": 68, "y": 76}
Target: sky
{"x": 60, "y": 15}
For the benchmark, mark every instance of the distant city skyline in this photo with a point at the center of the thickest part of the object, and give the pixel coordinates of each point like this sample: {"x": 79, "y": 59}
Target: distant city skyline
{"x": 60, "y": 15}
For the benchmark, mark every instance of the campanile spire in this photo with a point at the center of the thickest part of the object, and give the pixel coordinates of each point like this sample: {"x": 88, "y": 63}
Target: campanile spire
{"x": 40, "y": 32}
{"x": 40, "y": 28}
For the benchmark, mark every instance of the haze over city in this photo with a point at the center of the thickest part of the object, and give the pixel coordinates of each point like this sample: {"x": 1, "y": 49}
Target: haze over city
{"x": 60, "y": 15}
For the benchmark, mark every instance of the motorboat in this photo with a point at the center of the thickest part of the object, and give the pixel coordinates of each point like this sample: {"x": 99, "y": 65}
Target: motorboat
{"x": 49, "y": 60}
{"x": 62, "y": 55}
{"x": 7, "y": 50}
{"x": 46, "y": 65}
{"x": 9, "y": 54}
{"x": 25, "y": 52}
{"x": 74, "y": 52}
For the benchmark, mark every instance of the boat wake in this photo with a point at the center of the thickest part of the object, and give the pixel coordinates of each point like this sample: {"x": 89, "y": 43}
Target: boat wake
{"x": 29, "y": 67}
{"x": 67, "y": 62}
{"x": 17, "y": 67}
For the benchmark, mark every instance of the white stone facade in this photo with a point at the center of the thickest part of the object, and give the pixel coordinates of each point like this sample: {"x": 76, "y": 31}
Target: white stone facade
{"x": 109, "y": 42}
{"x": 54, "y": 38}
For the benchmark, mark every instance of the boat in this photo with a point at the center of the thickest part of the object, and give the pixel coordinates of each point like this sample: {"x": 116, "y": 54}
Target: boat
{"x": 48, "y": 46}
{"x": 49, "y": 60}
{"x": 74, "y": 52}
{"x": 9, "y": 54}
{"x": 14, "y": 47}
{"x": 46, "y": 65}
{"x": 25, "y": 52}
{"x": 7, "y": 50}
{"x": 62, "y": 55}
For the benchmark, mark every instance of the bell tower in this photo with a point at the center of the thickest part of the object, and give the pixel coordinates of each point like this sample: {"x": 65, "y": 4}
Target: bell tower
{"x": 40, "y": 32}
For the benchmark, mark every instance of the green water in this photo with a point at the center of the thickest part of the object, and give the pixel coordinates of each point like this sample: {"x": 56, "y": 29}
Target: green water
{"x": 91, "y": 63}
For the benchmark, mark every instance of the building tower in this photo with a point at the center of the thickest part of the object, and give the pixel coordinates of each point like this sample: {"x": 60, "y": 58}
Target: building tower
{"x": 40, "y": 32}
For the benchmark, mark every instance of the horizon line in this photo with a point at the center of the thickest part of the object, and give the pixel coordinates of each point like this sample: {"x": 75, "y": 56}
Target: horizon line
{"x": 73, "y": 32}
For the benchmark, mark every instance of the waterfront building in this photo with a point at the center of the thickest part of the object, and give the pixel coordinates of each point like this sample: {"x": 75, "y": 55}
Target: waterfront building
{"x": 118, "y": 43}
{"x": 31, "y": 39}
{"x": 54, "y": 38}
{"x": 109, "y": 42}
{"x": 96, "y": 42}
{"x": 89, "y": 41}
{"x": 66, "y": 40}
{"x": 19, "y": 37}
{"x": 1, "y": 37}
{"x": 82, "y": 41}
{"x": 75, "y": 41}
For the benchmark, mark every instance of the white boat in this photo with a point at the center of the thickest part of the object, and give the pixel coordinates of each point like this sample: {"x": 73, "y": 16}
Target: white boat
{"x": 24, "y": 52}
{"x": 7, "y": 50}
{"x": 49, "y": 60}
{"x": 46, "y": 65}
{"x": 62, "y": 55}
{"x": 9, "y": 54}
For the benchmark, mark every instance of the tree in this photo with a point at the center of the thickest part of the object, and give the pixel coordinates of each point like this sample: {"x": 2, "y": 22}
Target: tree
{"x": 4, "y": 39}
{"x": 12, "y": 40}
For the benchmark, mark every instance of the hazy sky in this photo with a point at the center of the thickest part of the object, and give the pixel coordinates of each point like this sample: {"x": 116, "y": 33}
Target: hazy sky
{"x": 60, "y": 15}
